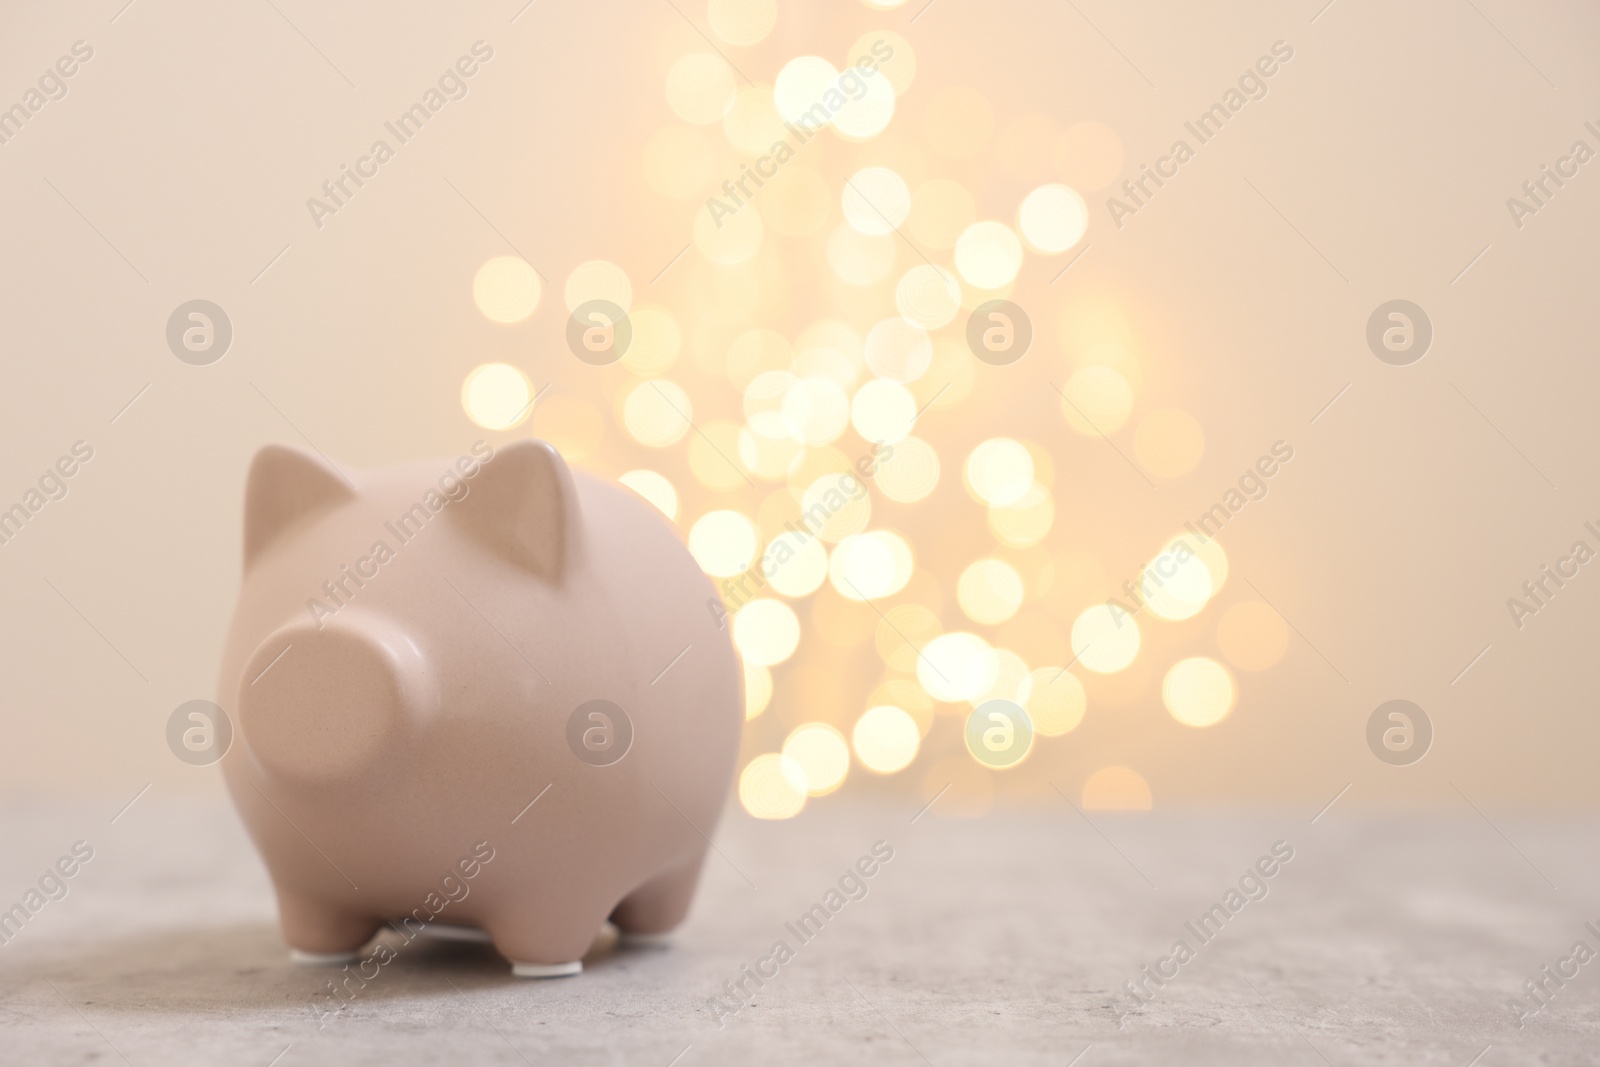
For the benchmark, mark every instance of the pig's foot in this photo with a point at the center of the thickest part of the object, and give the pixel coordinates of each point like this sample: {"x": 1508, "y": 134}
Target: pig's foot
{"x": 547, "y": 941}
{"x": 648, "y": 915}
{"x": 320, "y": 934}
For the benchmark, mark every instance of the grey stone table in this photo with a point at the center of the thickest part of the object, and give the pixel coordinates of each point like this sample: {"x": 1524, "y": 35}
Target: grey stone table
{"x": 1006, "y": 939}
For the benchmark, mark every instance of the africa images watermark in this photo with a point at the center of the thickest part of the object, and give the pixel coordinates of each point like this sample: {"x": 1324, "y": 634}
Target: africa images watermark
{"x": 453, "y": 889}
{"x": 849, "y": 86}
{"x": 1252, "y": 887}
{"x": 1540, "y": 990}
{"x": 1538, "y": 589}
{"x": 452, "y": 85}
{"x": 1538, "y": 189}
{"x": 737, "y": 994}
{"x": 52, "y": 85}
{"x": 847, "y": 489}
{"x": 52, "y": 886}
{"x": 1252, "y": 85}
{"x": 453, "y": 488}
{"x": 52, "y": 486}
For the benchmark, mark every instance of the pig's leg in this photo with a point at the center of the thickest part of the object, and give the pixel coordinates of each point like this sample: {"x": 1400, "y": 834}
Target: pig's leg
{"x": 653, "y": 910}
{"x": 318, "y": 932}
{"x": 547, "y": 940}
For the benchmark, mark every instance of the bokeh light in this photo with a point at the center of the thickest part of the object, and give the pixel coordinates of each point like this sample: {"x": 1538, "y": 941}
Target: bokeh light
{"x": 871, "y": 565}
{"x": 1198, "y": 691}
{"x": 999, "y": 471}
{"x": 1177, "y": 583}
{"x": 772, "y": 787}
{"x": 1053, "y": 218}
{"x": 821, "y": 753}
{"x": 496, "y": 396}
{"x": 1105, "y": 639}
{"x": 899, "y": 350}
{"x": 989, "y": 591}
{"x": 506, "y": 289}
{"x": 886, "y": 739}
{"x": 657, "y": 413}
{"x": 1055, "y": 701}
{"x": 757, "y": 689}
{"x": 875, "y": 201}
{"x": 988, "y": 255}
{"x": 742, "y": 22}
{"x": 723, "y": 543}
{"x": 957, "y": 667}
{"x": 766, "y": 632}
{"x": 883, "y": 411}
{"x": 799, "y": 564}
{"x": 598, "y": 279}
{"x": 910, "y": 472}
{"x": 928, "y": 296}
{"x": 1096, "y": 400}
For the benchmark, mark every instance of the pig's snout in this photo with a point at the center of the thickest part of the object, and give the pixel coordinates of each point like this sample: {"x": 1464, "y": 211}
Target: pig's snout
{"x": 322, "y": 705}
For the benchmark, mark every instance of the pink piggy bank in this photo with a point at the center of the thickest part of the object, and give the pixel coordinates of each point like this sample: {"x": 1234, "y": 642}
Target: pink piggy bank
{"x": 482, "y": 694}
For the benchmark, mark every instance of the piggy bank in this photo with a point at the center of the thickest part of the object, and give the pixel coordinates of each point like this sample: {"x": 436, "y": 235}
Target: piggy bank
{"x": 482, "y": 695}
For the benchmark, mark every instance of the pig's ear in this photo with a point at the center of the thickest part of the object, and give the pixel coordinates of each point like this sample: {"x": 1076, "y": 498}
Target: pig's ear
{"x": 523, "y": 506}
{"x": 286, "y": 485}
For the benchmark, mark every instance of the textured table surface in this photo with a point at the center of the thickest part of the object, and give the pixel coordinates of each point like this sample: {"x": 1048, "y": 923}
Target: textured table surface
{"x": 1002, "y": 939}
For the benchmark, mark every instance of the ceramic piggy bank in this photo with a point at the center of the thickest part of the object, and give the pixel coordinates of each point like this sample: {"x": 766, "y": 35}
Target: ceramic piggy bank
{"x": 481, "y": 694}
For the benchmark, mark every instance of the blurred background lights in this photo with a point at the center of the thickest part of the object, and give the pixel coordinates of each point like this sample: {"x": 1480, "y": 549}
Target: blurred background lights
{"x": 712, "y": 454}
{"x": 957, "y": 667}
{"x": 821, "y": 753}
{"x": 1026, "y": 520}
{"x": 766, "y": 632}
{"x": 815, "y": 410}
{"x": 496, "y": 396}
{"x": 883, "y": 411}
{"x": 1096, "y": 400}
{"x": 989, "y": 591}
{"x": 598, "y": 279}
{"x": 799, "y": 564}
{"x": 910, "y": 472}
{"x": 886, "y": 739}
{"x": 988, "y": 255}
{"x": 1116, "y": 789}
{"x": 1055, "y": 701}
{"x": 1252, "y": 636}
{"x": 742, "y": 22}
{"x": 657, "y": 340}
{"x": 1169, "y": 443}
{"x": 1198, "y": 691}
{"x": 876, "y": 201}
{"x": 900, "y": 68}
{"x": 1177, "y": 583}
{"x": 506, "y": 289}
{"x": 723, "y": 543}
{"x": 1052, "y": 218}
{"x": 800, "y": 85}
{"x": 1105, "y": 639}
{"x": 654, "y": 488}
{"x": 772, "y": 786}
{"x": 700, "y": 88}
{"x": 868, "y": 114}
{"x": 657, "y": 412}
{"x": 898, "y": 350}
{"x": 757, "y": 689}
{"x": 999, "y": 471}
{"x": 928, "y": 296}
{"x": 845, "y": 515}
{"x": 870, "y": 566}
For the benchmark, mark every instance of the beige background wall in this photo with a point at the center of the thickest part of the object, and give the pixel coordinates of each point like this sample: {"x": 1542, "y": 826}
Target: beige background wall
{"x": 193, "y": 137}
